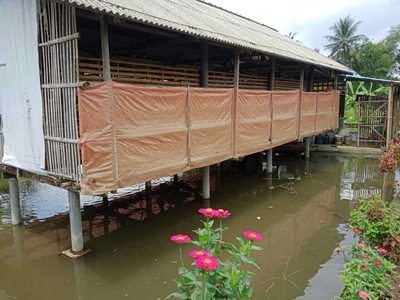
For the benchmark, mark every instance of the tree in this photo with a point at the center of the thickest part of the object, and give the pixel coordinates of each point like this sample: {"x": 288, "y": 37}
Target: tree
{"x": 344, "y": 39}
{"x": 392, "y": 41}
{"x": 373, "y": 60}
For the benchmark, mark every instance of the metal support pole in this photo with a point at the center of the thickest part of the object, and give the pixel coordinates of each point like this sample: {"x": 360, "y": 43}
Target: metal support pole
{"x": 269, "y": 160}
{"x": 14, "y": 199}
{"x": 75, "y": 220}
{"x": 307, "y": 151}
{"x": 206, "y": 182}
{"x": 307, "y": 166}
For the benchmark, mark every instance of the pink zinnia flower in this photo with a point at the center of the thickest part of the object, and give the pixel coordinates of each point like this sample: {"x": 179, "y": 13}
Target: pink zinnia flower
{"x": 366, "y": 256}
{"x": 378, "y": 262}
{"x": 207, "y": 212}
{"x": 221, "y": 213}
{"x": 382, "y": 251}
{"x": 206, "y": 262}
{"x": 180, "y": 239}
{"x": 252, "y": 235}
{"x": 363, "y": 266}
{"x": 361, "y": 245}
{"x": 363, "y": 295}
{"x": 198, "y": 253}
{"x": 356, "y": 231}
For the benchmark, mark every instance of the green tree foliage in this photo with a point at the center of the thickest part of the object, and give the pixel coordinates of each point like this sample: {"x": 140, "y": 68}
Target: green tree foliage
{"x": 392, "y": 41}
{"x": 344, "y": 39}
{"x": 373, "y": 60}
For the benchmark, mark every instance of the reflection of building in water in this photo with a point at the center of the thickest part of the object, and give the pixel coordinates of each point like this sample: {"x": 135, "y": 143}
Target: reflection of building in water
{"x": 362, "y": 178}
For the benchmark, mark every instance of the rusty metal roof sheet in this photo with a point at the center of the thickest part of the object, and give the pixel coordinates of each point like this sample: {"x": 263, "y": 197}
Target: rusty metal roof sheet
{"x": 210, "y": 22}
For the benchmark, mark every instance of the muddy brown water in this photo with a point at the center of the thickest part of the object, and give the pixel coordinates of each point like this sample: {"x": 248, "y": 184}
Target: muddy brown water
{"x": 133, "y": 257}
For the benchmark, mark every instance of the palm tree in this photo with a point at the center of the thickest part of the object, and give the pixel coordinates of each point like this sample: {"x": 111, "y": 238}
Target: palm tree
{"x": 344, "y": 39}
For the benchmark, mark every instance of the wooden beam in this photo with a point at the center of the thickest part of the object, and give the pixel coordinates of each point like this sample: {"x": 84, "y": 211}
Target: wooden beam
{"x": 271, "y": 79}
{"x": 302, "y": 78}
{"x": 105, "y": 51}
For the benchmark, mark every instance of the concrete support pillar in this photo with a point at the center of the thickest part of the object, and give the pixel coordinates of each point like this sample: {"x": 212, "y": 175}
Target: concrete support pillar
{"x": 75, "y": 220}
{"x": 307, "y": 166}
{"x": 269, "y": 160}
{"x": 14, "y": 201}
{"x": 206, "y": 182}
{"x": 148, "y": 190}
{"x": 176, "y": 179}
{"x": 307, "y": 151}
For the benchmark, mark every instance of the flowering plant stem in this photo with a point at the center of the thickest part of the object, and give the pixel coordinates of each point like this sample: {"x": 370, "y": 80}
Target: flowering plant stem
{"x": 180, "y": 253}
{"x": 204, "y": 285}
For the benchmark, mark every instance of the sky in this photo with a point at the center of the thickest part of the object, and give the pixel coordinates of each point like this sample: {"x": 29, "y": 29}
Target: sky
{"x": 311, "y": 19}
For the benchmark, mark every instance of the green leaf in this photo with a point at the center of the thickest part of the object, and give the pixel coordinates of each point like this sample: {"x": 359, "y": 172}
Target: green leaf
{"x": 179, "y": 295}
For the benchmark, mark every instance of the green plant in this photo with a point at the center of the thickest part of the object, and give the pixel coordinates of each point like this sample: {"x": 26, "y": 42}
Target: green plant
{"x": 376, "y": 219}
{"x": 366, "y": 273}
{"x": 213, "y": 275}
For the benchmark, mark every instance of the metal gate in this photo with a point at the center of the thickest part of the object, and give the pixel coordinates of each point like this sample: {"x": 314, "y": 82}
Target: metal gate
{"x": 372, "y": 124}
{"x": 59, "y": 82}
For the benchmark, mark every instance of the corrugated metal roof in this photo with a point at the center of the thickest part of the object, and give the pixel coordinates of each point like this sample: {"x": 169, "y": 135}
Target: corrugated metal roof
{"x": 212, "y": 23}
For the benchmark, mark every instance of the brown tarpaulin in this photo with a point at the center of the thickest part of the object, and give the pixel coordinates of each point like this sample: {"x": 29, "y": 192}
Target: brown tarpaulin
{"x": 130, "y": 134}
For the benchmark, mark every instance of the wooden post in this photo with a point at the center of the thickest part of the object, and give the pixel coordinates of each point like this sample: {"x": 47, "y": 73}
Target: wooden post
{"x": 389, "y": 133}
{"x": 204, "y": 84}
{"x": 237, "y": 70}
{"x": 311, "y": 79}
{"x": 105, "y": 51}
{"x": 299, "y": 104}
{"x": 271, "y": 81}
{"x": 148, "y": 190}
{"x": 271, "y": 85}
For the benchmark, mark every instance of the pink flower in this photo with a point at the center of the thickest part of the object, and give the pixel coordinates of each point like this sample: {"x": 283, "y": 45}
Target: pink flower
{"x": 198, "y": 253}
{"x": 366, "y": 256}
{"x": 206, "y": 262}
{"x": 221, "y": 213}
{"x": 363, "y": 295}
{"x": 378, "y": 262}
{"x": 361, "y": 245}
{"x": 252, "y": 235}
{"x": 382, "y": 251}
{"x": 356, "y": 231}
{"x": 363, "y": 266}
{"x": 207, "y": 212}
{"x": 180, "y": 239}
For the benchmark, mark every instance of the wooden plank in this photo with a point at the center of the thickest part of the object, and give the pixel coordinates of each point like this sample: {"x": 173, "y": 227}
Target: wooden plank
{"x": 105, "y": 51}
{"x": 61, "y": 40}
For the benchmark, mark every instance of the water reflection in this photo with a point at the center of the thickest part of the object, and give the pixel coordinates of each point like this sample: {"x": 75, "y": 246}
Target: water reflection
{"x": 132, "y": 256}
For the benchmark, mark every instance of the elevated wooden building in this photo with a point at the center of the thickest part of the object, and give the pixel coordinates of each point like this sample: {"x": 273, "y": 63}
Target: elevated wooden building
{"x": 98, "y": 95}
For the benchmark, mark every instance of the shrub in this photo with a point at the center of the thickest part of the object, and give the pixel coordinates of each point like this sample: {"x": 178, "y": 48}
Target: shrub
{"x": 214, "y": 277}
{"x": 376, "y": 220}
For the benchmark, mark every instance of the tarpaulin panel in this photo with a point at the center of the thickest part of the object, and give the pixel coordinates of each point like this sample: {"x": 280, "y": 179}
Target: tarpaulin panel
{"x": 285, "y": 107}
{"x": 210, "y": 126}
{"x": 253, "y": 121}
{"x": 335, "y": 116}
{"x": 151, "y": 132}
{"x": 324, "y": 111}
{"x": 21, "y": 104}
{"x": 96, "y": 127}
{"x": 308, "y": 113}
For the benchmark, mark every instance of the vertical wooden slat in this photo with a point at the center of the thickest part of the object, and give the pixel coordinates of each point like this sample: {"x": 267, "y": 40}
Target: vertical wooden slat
{"x": 389, "y": 134}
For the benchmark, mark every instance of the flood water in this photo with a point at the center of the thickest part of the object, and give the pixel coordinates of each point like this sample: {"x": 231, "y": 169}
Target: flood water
{"x": 132, "y": 257}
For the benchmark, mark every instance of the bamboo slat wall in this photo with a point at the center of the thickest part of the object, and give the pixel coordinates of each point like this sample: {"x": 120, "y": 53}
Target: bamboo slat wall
{"x": 91, "y": 69}
{"x": 59, "y": 78}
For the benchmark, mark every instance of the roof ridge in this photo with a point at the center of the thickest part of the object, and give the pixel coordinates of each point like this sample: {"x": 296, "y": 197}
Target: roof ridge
{"x": 236, "y": 14}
